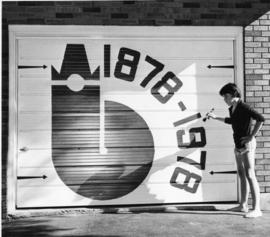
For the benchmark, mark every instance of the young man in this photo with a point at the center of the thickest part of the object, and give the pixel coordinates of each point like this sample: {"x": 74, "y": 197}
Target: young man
{"x": 241, "y": 116}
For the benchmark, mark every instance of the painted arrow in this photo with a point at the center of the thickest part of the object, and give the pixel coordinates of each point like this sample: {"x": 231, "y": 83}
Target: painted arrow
{"x": 226, "y": 66}
{"x": 29, "y": 67}
{"x": 32, "y": 177}
{"x": 223, "y": 172}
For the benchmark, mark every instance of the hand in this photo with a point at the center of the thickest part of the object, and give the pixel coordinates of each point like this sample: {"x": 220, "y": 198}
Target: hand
{"x": 245, "y": 140}
{"x": 211, "y": 115}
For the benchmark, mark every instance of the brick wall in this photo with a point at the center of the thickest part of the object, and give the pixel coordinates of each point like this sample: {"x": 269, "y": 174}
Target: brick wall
{"x": 257, "y": 75}
{"x": 166, "y": 13}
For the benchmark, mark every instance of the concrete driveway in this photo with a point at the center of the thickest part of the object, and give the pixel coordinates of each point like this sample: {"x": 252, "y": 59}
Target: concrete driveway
{"x": 170, "y": 221}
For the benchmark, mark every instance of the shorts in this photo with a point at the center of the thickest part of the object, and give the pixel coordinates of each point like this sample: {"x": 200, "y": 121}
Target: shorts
{"x": 249, "y": 147}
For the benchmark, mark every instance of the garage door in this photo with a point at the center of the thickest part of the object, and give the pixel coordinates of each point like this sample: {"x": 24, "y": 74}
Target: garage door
{"x": 116, "y": 118}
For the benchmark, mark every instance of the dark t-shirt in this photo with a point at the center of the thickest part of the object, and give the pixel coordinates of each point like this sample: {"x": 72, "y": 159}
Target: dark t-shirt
{"x": 241, "y": 120}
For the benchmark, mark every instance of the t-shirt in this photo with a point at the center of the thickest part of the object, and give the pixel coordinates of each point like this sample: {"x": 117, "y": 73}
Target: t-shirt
{"x": 241, "y": 120}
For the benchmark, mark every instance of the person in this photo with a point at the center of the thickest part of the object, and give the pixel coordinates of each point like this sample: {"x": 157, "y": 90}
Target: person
{"x": 241, "y": 116}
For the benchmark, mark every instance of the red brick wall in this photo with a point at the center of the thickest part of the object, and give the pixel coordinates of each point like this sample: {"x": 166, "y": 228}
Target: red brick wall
{"x": 257, "y": 74}
{"x": 165, "y": 13}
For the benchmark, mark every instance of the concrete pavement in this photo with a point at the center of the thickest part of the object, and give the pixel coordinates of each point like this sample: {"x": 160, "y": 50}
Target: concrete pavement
{"x": 159, "y": 221}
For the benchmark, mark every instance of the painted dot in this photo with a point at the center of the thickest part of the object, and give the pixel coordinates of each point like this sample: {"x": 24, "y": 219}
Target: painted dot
{"x": 75, "y": 82}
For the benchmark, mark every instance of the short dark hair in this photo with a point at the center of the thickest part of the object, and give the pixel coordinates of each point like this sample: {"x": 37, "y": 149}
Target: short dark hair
{"x": 230, "y": 88}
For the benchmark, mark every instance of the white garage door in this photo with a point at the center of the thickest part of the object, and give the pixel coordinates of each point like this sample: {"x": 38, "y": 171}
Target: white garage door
{"x": 116, "y": 118}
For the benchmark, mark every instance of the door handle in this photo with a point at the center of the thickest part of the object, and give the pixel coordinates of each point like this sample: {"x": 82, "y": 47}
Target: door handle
{"x": 24, "y": 149}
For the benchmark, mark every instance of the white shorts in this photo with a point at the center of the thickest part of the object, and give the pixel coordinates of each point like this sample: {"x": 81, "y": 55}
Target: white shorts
{"x": 249, "y": 147}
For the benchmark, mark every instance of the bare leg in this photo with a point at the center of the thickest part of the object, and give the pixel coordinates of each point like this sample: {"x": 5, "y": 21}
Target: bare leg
{"x": 249, "y": 164}
{"x": 244, "y": 188}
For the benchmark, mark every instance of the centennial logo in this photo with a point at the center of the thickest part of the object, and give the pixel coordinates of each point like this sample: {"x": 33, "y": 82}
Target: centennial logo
{"x": 107, "y": 138}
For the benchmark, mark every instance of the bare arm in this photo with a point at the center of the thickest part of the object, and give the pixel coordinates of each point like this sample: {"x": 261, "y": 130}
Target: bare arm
{"x": 213, "y": 116}
{"x": 256, "y": 128}
{"x": 254, "y": 132}
{"x": 221, "y": 119}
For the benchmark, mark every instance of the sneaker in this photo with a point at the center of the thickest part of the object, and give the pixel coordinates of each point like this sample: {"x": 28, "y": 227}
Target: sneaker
{"x": 253, "y": 214}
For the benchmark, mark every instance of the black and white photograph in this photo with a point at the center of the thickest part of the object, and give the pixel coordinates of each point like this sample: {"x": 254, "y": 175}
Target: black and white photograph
{"x": 135, "y": 118}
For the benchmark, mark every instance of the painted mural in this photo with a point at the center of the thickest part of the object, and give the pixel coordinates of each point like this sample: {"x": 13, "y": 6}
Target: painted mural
{"x": 122, "y": 121}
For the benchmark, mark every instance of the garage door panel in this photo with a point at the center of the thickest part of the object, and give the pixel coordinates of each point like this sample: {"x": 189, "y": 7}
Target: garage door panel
{"x": 207, "y": 83}
{"x": 144, "y": 196}
{"x": 191, "y": 101}
{"x": 35, "y": 158}
{"x": 90, "y": 139}
{"x": 113, "y": 120}
{"x": 199, "y": 47}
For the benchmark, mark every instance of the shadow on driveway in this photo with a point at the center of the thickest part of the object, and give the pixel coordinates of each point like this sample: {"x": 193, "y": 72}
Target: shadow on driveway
{"x": 34, "y": 228}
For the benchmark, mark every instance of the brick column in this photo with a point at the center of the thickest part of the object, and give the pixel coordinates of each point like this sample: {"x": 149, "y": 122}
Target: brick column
{"x": 257, "y": 94}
